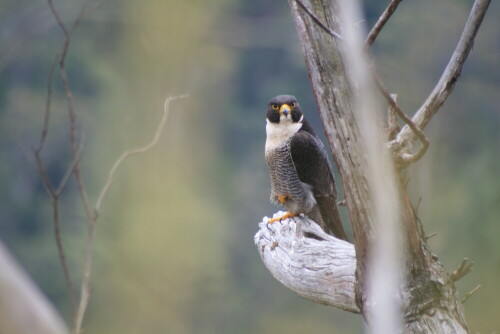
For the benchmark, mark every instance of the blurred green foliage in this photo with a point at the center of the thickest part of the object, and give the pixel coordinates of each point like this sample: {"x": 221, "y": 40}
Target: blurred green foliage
{"x": 174, "y": 250}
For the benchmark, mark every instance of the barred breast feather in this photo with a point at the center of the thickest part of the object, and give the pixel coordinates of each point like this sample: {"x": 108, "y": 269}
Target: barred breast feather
{"x": 284, "y": 178}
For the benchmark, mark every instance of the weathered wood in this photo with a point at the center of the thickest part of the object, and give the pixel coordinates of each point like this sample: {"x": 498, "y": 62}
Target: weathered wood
{"x": 321, "y": 268}
{"x": 335, "y": 101}
{"x": 315, "y": 265}
{"x": 23, "y": 308}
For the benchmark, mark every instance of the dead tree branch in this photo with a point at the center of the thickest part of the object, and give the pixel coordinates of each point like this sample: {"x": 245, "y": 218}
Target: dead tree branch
{"x": 313, "y": 264}
{"x": 392, "y": 120}
{"x": 407, "y": 136}
{"x": 462, "y": 270}
{"x": 126, "y": 154}
{"x": 386, "y": 15}
{"x": 470, "y": 293}
{"x": 46, "y": 115}
{"x": 69, "y": 98}
{"x": 404, "y": 160}
{"x": 54, "y": 191}
{"x": 448, "y": 79}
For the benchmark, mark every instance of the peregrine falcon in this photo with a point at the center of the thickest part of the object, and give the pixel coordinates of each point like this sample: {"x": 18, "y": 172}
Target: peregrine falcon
{"x": 301, "y": 176}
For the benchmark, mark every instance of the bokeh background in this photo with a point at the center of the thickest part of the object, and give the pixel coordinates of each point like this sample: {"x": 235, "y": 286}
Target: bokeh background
{"x": 174, "y": 249}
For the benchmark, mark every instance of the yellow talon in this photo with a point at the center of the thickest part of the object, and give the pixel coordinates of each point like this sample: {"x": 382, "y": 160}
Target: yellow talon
{"x": 285, "y": 216}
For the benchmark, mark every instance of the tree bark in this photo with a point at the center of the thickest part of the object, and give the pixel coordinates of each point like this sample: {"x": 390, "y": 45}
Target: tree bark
{"x": 429, "y": 301}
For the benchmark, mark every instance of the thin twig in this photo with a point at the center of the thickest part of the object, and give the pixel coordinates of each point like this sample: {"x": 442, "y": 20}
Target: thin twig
{"x": 318, "y": 21}
{"x": 60, "y": 249}
{"x": 462, "y": 270}
{"x": 50, "y": 188}
{"x": 74, "y": 167}
{"x": 71, "y": 167}
{"x": 128, "y": 153}
{"x": 392, "y": 120}
{"x": 74, "y": 146}
{"x": 47, "y": 184}
{"x": 48, "y": 103}
{"x": 427, "y": 237}
{"x": 87, "y": 270}
{"x": 449, "y": 77}
{"x": 470, "y": 293}
{"x": 381, "y": 22}
{"x": 57, "y": 230}
{"x": 58, "y": 19}
{"x": 69, "y": 98}
{"x": 407, "y": 158}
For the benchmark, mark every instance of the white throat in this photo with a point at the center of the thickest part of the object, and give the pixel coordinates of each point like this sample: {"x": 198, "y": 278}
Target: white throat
{"x": 277, "y": 133}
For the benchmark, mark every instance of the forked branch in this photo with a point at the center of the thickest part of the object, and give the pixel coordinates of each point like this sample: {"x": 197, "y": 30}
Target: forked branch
{"x": 55, "y": 191}
{"x": 407, "y": 158}
{"x": 413, "y": 129}
{"x": 448, "y": 79}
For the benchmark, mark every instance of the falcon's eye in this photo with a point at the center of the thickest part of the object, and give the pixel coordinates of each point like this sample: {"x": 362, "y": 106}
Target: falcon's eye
{"x": 274, "y": 106}
{"x": 293, "y": 105}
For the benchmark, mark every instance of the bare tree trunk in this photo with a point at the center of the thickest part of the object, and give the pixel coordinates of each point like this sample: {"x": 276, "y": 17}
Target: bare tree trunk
{"x": 429, "y": 301}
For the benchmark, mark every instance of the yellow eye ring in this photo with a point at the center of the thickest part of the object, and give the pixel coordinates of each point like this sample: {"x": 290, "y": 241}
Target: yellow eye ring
{"x": 292, "y": 105}
{"x": 274, "y": 106}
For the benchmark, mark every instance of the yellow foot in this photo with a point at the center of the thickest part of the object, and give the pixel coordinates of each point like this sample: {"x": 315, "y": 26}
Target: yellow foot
{"x": 285, "y": 216}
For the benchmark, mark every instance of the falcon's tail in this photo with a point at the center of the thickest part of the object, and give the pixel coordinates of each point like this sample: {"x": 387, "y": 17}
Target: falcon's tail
{"x": 331, "y": 216}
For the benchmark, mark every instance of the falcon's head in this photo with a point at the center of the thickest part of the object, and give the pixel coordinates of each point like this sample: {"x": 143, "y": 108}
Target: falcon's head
{"x": 284, "y": 119}
{"x": 284, "y": 109}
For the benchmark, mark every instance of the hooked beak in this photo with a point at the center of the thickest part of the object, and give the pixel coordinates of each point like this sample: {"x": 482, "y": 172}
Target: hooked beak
{"x": 285, "y": 109}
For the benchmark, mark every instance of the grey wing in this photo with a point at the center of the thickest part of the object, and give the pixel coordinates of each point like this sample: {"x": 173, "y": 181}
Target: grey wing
{"x": 311, "y": 162}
